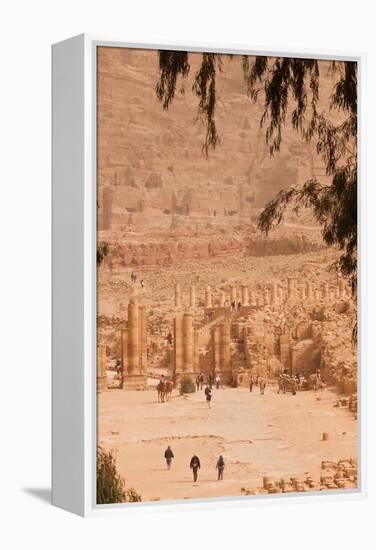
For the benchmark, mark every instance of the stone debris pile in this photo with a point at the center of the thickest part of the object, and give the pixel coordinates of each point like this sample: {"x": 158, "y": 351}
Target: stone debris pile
{"x": 342, "y": 474}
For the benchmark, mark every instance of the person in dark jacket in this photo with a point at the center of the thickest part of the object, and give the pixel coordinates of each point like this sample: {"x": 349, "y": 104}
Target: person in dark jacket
{"x": 169, "y": 455}
{"x": 208, "y": 394}
{"x": 195, "y": 466}
{"x": 220, "y": 467}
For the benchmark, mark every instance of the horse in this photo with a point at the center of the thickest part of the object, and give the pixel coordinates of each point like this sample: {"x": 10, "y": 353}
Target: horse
{"x": 168, "y": 387}
{"x": 161, "y": 389}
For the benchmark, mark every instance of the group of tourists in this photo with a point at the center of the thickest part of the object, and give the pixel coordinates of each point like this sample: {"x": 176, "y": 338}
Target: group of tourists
{"x": 134, "y": 279}
{"x": 235, "y": 306}
{"x": 288, "y": 382}
{"x": 211, "y": 381}
{"x": 195, "y": 464}
{"x": 294, "y": 382}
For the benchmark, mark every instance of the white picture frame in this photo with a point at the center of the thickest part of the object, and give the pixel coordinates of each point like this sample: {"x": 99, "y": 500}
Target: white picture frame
{"x": 74, "y": 278}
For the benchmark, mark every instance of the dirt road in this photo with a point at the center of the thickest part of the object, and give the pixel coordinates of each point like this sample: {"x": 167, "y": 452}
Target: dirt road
{"x": 277, "y": 435}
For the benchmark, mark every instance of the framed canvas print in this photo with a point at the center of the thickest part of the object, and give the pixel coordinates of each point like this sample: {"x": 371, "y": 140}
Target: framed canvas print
{"x": 207, "y": 325}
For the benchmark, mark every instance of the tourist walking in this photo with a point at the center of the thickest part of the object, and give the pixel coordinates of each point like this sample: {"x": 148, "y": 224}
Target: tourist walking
{"x": 208, "y": 394}
{"x": 142, "y": 282}
{"x": 195, "y": 466}
{"x": 169, "y": 455}
{"x": 217, "y": 382}
{"x": 251, "y": 383}
{"x": 220, "y": 467}
{"x": 201, "y": 381}
{"x": 262, "y": 383}
{"x": 316, "y": 380}
{"x": 197, "y": 382}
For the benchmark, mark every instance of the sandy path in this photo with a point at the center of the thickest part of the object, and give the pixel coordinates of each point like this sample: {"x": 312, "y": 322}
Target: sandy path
{"x": 278, "y": 435}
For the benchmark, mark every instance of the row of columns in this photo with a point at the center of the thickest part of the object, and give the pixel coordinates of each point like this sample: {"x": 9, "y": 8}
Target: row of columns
{"x": 274, "y": 296}
{"x": 208, "y": 296}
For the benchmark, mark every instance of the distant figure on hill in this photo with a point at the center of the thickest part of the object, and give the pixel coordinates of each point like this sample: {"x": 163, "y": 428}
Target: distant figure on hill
{"x": 169, "y": 338}
{"x": 169, "y": 455}
{"x": 195, "y": 466}
{"x": 142, "y": 282}
{"x": 220, "y": 467}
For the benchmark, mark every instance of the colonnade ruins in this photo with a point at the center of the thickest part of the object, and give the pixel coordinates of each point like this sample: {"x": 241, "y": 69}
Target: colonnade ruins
{"x": 239, "y": 329}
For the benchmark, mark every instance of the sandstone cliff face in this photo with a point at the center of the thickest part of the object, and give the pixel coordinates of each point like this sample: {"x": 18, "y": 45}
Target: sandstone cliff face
{"x": 153, "y": 161}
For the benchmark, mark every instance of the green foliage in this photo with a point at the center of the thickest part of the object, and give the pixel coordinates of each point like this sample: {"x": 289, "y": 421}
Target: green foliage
{"x": 102, "y": 251}
{"x": 132, "y": 496}
{"x": 187, "y": 385}
{"x": 110, "y": 485}
{"x": 289, "y": 86}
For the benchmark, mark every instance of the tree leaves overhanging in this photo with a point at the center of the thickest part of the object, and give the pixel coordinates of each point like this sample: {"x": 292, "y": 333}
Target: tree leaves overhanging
{"x": 290, "y": 87}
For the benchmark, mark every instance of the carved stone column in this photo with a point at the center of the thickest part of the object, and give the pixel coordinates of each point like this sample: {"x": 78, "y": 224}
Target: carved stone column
{"x": 245, "y": 295}
{"x": 177, "y": 295}
{"x": 192, "y": 297}
{"x": 208, "y": 297}
{"x": 101, "y": 367}
{"x": 188, "y": 342}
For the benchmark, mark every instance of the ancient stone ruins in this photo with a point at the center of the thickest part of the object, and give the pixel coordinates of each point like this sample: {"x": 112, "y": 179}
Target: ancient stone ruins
{"x": 187, "y": 286}
{"x": 238, "y": 331}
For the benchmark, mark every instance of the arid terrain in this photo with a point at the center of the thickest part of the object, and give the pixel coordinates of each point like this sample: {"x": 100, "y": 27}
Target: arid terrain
{"x": 189, "y": 286}
{"x": 276, "y": 435}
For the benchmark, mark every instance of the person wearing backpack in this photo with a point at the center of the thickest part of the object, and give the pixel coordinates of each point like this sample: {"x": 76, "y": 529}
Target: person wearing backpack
{"x": 220, "y": 467}
{"x": 195, "y": 466}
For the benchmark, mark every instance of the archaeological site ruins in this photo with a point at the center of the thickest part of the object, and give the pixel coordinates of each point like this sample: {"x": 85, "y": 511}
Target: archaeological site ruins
{"x": 191, "y": 293}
